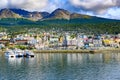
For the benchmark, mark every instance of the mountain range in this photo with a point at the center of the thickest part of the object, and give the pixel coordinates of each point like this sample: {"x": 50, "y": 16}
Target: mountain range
{"x": 56, "y": 14}
{"x": 17, "y": 20}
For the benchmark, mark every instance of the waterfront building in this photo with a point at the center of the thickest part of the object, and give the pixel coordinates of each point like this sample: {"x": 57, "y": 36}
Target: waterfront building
{"x": 97, "y": 43}
{"x": 106, "y": 42}
{"x": 80, "y": 41}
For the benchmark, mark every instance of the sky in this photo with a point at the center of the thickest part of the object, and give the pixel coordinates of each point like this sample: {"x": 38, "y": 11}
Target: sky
{"x": 100, "y": 8}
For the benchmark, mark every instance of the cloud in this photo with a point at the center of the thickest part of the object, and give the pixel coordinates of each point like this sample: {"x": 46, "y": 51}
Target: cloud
{"x": 102, "y": 8}
{"x": 3, "y": 3}
{"x": 31, "y": 5}
{"x": 97, "y": 6}
{"x": 51, "y": 6}
{"x": 112, "y": 13}
{"x": 54, "y": 4}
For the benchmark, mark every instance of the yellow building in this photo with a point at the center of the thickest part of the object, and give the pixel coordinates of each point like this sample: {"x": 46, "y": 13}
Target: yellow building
{"x": 61, "y": 39}
{"x": 106, "y": 42}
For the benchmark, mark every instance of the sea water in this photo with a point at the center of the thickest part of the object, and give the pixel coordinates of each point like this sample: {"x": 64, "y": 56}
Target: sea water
{"x": 61, "y": 66}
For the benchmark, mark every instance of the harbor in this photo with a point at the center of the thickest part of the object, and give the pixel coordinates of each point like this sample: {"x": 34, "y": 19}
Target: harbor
{"x": 59, "y": 40}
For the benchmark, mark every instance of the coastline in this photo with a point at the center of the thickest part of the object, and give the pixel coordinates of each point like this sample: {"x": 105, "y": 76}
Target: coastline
{"x": 78, "y": 51}
{"x": 75, "y": 51}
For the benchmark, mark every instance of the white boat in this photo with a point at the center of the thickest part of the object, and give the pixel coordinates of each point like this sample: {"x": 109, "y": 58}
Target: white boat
{"x": 28, "y": 53}
{"x": 10, "y": 53}
{"x": 18, "y": 52}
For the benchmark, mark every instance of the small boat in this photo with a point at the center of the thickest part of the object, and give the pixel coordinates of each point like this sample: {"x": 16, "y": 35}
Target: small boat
{"x": 18, "y": 52}
{"x": 10, "y": 53}
{"x": 28, "y": 53}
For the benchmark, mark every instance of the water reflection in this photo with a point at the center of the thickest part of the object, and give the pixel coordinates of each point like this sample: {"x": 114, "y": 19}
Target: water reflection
{"x": 14, "y": 61}
{"x": 65, "y": 59}
{"x": 62, "y": 67}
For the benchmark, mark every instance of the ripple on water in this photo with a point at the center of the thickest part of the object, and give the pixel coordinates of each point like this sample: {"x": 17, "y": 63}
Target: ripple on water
{"x": 62, "y": 67}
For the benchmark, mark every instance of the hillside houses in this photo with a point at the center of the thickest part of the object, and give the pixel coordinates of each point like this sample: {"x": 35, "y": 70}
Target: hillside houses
{"x": 65, "y": 40}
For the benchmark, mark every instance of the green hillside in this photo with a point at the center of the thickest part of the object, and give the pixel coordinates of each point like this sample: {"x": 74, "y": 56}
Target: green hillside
{"x": 92, "y": 25}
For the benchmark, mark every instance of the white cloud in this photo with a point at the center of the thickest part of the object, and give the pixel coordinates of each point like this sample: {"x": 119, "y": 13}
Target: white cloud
{"x": 31, "y": 5}
{"x": 113, "y": 13}
{"x": 104, "y": 8}
{"x": 97, "y": 6}
{"x": 54, "y": 4}
{"x": 51, "y": 6}
{"x": 3, "y": 3}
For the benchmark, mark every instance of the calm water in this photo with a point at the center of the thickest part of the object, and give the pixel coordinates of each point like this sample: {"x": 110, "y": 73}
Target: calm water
{"x": 62, "y": 67}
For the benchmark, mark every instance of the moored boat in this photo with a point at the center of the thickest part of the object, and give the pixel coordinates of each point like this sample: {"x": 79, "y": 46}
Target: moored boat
{"x": 28, "y": 53}
{"x": 10, "y": 53}
{"x": 18, "y": 52}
